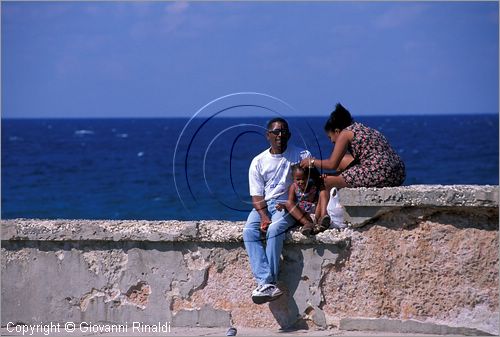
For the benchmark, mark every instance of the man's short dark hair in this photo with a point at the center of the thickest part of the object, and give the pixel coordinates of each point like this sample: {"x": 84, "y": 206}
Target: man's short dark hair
{"x": 277, "y": 119}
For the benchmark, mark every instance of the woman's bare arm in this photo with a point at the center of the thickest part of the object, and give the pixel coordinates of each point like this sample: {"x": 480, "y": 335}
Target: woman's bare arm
{"x": 340, "y": 149}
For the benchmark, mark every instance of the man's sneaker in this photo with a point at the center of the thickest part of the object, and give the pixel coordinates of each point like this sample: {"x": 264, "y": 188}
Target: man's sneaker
{"x": 266, "y": 293}
{"x": 231, "y": 331}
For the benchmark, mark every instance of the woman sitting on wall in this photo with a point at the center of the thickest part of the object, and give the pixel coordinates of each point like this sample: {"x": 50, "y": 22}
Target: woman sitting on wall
{"x": 361, "y": 156}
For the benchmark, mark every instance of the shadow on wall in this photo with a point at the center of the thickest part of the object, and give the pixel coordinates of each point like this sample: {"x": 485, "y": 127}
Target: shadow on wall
{"x": 302, "y": 274}
{"x": 483, "y": 218}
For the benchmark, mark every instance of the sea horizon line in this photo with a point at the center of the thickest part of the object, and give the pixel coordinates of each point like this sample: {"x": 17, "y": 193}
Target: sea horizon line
{"x": 243, "y": 117}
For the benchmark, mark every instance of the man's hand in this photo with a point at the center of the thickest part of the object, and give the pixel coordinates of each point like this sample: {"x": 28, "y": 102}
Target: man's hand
{"x": 280, "y": 207}
{"x": 264, "y": 224}
{"x": 260, "y": 206}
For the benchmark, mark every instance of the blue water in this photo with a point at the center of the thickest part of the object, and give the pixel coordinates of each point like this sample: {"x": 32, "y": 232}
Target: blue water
{"x": 152, "y": 169}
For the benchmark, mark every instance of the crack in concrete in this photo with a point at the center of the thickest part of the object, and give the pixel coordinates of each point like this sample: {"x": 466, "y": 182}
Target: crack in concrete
{"x": 137, "y": 295}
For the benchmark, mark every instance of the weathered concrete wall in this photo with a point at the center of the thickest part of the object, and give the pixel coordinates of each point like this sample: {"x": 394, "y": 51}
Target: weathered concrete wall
{"x": 423, "y": 253}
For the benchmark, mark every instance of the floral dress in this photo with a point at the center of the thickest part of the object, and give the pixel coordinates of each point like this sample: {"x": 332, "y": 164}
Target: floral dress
{"x": 306, "y": 200}
{"x": 376, "y": 164}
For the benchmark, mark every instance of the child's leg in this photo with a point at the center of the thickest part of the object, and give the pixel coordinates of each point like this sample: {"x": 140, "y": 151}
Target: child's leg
{"x": 317, "y": 212}
{"x": 324, "y": 221}
{"x": 298, "y": 214}
{"x": 302, "y": 217}
{"x": 322, "y": 203}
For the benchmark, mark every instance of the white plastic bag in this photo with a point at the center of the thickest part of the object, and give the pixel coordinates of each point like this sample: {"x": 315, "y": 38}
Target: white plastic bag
{"x": 335, "y": 210}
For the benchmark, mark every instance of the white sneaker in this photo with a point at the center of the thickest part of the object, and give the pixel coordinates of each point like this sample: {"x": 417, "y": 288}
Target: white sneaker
{"x": 266, "y": 293}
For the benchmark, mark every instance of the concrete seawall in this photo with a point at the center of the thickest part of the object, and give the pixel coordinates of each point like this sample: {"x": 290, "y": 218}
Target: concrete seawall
{"x": 415, "y": 259}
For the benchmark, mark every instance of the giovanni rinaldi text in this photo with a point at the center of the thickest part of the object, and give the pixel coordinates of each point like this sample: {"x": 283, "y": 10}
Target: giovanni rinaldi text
{"x": 70, "y": 327}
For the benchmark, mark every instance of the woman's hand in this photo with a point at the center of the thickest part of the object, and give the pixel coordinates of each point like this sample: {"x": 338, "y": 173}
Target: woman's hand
{"x": 280, "y": 207}
{"x": 307, "y": 163}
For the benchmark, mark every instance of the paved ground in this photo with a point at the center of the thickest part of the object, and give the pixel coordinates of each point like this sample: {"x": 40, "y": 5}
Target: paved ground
{"x": 176, "y": 331}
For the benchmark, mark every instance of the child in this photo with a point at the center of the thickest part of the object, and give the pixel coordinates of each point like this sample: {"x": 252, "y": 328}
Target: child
{"x": 307, "y": 200}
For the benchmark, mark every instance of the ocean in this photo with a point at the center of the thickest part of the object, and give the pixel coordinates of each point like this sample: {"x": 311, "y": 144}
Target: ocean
{"x": 183, "y": 169}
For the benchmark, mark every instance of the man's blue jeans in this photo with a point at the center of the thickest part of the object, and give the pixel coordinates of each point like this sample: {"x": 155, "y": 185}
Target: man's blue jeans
{"x": 265, "y": 261}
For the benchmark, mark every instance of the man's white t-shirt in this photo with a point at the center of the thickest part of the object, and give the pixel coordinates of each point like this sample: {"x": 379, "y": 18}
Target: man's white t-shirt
{"x": 270, "y": 175}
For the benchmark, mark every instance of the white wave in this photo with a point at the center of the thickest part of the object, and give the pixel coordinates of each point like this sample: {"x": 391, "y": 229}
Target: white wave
{"x": 83, "y": 132}
{"x": 140, "y": 154}
{"x": 122, "y": 135}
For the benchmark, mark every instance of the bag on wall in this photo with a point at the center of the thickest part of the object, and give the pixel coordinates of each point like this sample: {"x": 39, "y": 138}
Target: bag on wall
{"x": 335, "y": 210}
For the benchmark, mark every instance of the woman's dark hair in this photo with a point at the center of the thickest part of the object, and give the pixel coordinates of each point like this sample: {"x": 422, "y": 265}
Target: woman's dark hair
{"x": 340, "y": 118}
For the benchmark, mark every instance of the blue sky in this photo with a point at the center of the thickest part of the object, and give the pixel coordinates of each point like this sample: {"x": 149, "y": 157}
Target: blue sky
{"x": 166, "y": 59}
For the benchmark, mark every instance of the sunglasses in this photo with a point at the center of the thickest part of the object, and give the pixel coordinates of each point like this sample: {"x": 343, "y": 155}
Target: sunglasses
{"x": 276, "y": 132}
